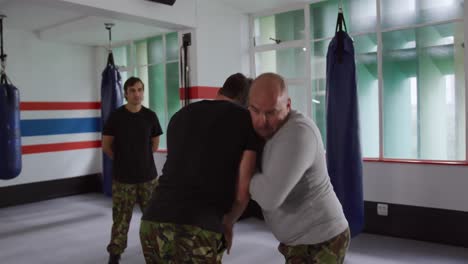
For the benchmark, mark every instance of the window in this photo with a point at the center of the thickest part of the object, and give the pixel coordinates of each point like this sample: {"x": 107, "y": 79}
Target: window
{"x": 289, "y": 62}
{"x": 365, "y": 47}
{"x": 410, "y": 13}
{"x": 279, "y": 46}
{"x": 287, "y": 26}
{"x": 409, "y": 66}
{"x": 156, "y": 62}
{"x": 423, "y": 73}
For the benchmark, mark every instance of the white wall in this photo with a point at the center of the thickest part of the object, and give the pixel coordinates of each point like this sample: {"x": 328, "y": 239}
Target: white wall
{"x": 48, "y": 71}
{"x": 221, "y": 43}
{"x": 434, "y": 186}
{"x": 51, "y": 72}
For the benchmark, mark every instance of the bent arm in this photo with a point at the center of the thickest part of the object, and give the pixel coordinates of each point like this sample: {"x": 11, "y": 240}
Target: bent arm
{"x": 155, "y": 143}
{"x": 107, "y": 145}
{"x": 246, "y": 170}
{"x": 290, "y": 155}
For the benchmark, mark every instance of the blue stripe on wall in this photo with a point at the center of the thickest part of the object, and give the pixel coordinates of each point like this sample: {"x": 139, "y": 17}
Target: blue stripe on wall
{"x": 44, "y": 127}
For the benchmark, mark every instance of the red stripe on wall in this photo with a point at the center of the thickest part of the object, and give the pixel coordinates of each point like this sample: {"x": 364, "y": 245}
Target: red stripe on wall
{"x": 34, "y": 149}
{"x": 36, "y": 106}
{"x": 199, "y": 92}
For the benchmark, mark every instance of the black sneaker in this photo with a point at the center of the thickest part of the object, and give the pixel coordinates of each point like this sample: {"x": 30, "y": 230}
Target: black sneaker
{"x": 114, "y": 259}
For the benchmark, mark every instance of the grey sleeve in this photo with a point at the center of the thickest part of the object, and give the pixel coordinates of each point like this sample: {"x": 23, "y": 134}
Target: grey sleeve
{"x": 290, "y": 154}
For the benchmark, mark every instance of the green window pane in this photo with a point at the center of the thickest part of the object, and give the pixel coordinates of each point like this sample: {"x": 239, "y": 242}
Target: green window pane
{"x": 400, "y": 98}
{"x": 124, "y": 76}
{"x": 157, "y": 96}
{"x": 360, "y": 16}
{"x": 142, "y": 73}
{"x": 286, "y": 26}
{"x": 319, "y": 107}
{"x": 397, "y": 13}
{"x": 122, "y": 56}
{"x": 424, "y": 86}
{"x": 173, "y": 95}
{"x": 368, "y": 93}
{"x": 441, "y": 84}
{"x": 323, "y": 19}
{"x": 172, "y": 47}
{"x": 155, "y": 50}
{"x": 141, "y": 49}
{"x": 298, "y": 95}
{"x": 290, "y": 63}
{"x": 319, "y": 65}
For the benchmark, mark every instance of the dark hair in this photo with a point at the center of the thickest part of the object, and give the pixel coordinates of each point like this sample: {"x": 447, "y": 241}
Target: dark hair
{"x": 236, "y": 87}
{"x": 132, "y": 81}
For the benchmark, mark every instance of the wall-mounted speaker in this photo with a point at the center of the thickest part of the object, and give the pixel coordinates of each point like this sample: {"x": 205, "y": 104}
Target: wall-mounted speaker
{"x": 166, "y": 2}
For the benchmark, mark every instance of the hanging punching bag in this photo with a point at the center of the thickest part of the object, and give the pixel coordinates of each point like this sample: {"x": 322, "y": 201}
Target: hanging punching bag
{"x": 111, "y": 99}
{"x": 344, "y": 160}
{"x": 10, "y": 137}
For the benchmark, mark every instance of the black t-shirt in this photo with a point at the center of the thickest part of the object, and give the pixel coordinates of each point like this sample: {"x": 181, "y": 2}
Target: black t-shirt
{"x": 133, "y": 155}
{"x": 205, "y": 142}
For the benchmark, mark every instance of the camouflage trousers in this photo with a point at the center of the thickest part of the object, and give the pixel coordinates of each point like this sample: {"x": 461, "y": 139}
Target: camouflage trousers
{"x": 332, "y": 251}
{"x": 124, "y": 198}
{"x": 166, "y": 243}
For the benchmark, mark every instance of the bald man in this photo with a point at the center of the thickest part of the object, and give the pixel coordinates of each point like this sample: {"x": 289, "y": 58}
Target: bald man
{"x": 293, "y": 187}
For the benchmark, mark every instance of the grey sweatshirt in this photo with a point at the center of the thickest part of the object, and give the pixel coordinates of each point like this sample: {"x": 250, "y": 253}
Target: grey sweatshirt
{"x": 294, "y": 189}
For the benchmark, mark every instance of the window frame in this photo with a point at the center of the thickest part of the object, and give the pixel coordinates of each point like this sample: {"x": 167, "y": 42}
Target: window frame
{"x": 292, "y": 44}
{"x": 379, "y": 31}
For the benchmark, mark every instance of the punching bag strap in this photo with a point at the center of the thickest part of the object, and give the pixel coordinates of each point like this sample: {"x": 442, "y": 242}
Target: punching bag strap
{"x": 4, "y": 79}
{"x": 339, "y": 33}
{"x": 110, "y": 58}
{"x": 184, "y": 66}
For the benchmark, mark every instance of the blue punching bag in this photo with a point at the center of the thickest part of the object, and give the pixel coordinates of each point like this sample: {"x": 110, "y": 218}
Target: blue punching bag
{"x": 10, "y": 136}
{"x": 111, "y": 99}
{"x": 343, "y": 144}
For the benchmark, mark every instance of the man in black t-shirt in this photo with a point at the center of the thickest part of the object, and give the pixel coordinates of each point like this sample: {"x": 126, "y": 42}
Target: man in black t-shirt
{"x": 130, "y": 136}
{"x": 204, "y": 185}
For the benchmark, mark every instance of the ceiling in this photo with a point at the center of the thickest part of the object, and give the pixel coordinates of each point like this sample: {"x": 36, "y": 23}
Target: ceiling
{"x": 254, "y": 6}
{"x": 64, "y": 24}
{"x": 54, "y": 22}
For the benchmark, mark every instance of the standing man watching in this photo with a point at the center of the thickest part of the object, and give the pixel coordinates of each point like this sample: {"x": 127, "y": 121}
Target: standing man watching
{"x": 294, "y": 188}
{"x": 130, "y": 136}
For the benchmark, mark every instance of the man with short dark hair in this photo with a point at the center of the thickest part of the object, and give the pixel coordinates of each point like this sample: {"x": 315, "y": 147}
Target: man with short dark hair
{"x": 130, "y": 136}
{"x": 204, "y": 186}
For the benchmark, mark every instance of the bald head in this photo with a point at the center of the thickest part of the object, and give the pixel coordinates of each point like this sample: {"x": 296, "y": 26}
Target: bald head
{"x": 269, "y": 84}
{"x": 269, "y": 103}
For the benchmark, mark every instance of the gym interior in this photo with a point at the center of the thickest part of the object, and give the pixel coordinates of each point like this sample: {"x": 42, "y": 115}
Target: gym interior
{"x": 411, "y": 73}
